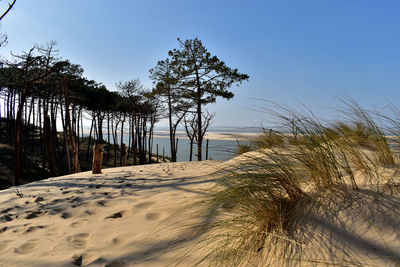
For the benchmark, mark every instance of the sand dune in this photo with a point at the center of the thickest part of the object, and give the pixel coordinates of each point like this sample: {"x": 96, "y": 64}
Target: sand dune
{"x": 128, "y": 217}
{"x": 97, "y": 219}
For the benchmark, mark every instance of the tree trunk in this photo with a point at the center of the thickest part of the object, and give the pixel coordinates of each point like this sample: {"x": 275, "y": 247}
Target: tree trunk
{"x": 49, "y": 143}
{"x": 98, "y": 151}
{"x": 134, "y": 150}
{"x": 65, "y": 139}
{"x": 75, "y": 160}
{"x": 191, "y": 150}
{"x": 53, "y": 117}
{"x": 77, "y": 130}
{"x": 17, "y": 144}
{"x": 199, "y": 130}
{"x": 123, "y": 154}
{"x": 139, "y": 138}
{"x": 129, "y": 136}
{"x": 207, "y": 150}
{"x": 171, "y": 129}
{"x": 122, "y": 139}
{"x": 100, "y": 126}
{"x": 89, "y": 139}
{"x": 108, "y": 136}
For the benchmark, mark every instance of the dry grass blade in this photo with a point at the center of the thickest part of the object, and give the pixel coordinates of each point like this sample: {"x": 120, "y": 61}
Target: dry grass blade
{"x": 267, "y": 201}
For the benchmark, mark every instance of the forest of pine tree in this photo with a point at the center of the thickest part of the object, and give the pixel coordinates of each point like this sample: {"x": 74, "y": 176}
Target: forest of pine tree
{"x": 45, "y": 101}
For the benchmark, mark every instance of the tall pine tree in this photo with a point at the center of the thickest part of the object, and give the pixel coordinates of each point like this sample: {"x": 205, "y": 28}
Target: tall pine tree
{"x": 202, "y": 78}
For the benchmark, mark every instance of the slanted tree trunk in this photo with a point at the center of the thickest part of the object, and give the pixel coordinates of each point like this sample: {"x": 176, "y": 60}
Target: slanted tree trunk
{"x": 89, "y": 139}
{"x": 77, "y": 129}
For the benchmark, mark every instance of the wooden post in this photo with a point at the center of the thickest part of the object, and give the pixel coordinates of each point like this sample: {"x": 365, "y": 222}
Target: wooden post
{"x": 157, "y": 153}
{"x": 176, "y": 148}
{"x": 123, "y": 154}
{"x": 207, "y": 150}
{"x": 98, "y": 151}
{"x": 191, "y": 150}
{"x": 163, "y": 154}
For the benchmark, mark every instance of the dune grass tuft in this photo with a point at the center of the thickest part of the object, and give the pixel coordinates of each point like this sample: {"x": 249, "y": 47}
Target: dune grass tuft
{"x": 262, "y": 199}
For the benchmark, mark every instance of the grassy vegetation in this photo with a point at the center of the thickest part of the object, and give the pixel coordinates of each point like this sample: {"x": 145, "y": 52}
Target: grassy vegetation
{"x": 262, "y": 202}
{"x": 266, "y": 139}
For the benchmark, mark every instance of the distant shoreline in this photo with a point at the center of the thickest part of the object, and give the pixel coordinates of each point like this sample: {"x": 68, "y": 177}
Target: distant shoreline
{"x": 223, "y": 136}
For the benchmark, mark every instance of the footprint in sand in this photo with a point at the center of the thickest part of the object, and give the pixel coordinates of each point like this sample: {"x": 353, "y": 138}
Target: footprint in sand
{"x": 75, "y": 199}
{"x": 87, "y": 213}
{"x": 115, "y": 241}
{"x": 117, "y": 264}
{"x": 33, "y": 228}
{"x": 102, "y": 203}
{"x": 66, "y": 215}
{"x": 26, "y": 248}
{"x": 7, "y": 210}
{"x": 56, "y": 211}
{"x": 79, "y": 240}
{"x": 144, "y": 205}
{"x": 34, "y": 214}
{"x": 116, "y": 215}
{"x": 56, "y": 201}
{"x": 78, "y": 223}
{"x": 152, "y": 216}
{"x": 6, "y": 218}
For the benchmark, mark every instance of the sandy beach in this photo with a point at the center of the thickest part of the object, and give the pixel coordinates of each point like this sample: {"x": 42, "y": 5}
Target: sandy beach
{"x": 130, "y": 216}
{"x": 225, "y": 136}
{"x": 106, "y": 218}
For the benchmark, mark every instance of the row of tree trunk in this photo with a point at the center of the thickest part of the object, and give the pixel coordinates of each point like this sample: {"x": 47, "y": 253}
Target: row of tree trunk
{"x": 33, "y": 121}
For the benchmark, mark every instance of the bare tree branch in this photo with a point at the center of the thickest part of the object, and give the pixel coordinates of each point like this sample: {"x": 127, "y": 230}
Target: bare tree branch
{"x": 8, "y": 9}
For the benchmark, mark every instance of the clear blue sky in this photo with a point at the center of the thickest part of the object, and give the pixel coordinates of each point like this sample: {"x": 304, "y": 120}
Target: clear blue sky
{"x": 308, "y": 51}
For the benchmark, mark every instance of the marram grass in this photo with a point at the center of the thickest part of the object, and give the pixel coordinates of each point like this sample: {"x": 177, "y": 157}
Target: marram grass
{"x": 263, "y": 204}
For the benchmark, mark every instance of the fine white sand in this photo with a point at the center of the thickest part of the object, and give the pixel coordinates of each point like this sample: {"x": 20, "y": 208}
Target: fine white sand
{"x": 128, "y": 216}
{"x": 106, "y": 218}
